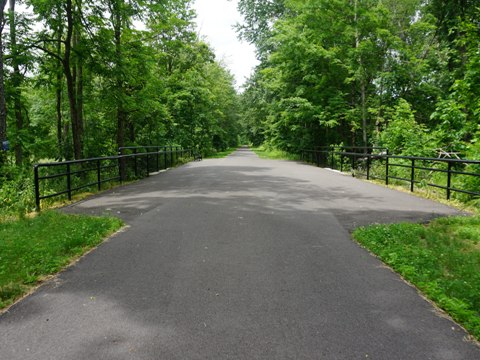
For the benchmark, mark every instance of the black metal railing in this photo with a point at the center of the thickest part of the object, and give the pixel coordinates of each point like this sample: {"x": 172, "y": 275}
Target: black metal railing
{"x": 450, "y": 175}
{"x": 67, "y": 177}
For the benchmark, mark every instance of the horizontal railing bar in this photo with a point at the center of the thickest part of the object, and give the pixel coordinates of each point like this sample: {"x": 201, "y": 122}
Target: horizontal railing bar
{"x": 400, "y": 165}
{"x": 466, "y": 192}
{"x": 52, "y": 195}
{"x": 52, "y": 176}
{"x": 46, "y": 177}
{"x": 366, "y": 158}
{"x": 105, "y": 163}
{"x": 116, "y": 157}
{"x": 461, "y": 161}
{"x": 70, "y": 162}
{"x": 84, "y": 186}
{"x": 109, "y": 179}
{"x": 76, "y": 172}
{"x": 398, "y": 178}
{"x": 464, "y": 173}
{"x": 108, "y": 167}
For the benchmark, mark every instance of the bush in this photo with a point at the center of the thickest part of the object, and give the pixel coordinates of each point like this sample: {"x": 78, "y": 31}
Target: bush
{"x": 404, "y": 136}
{"x": 16, "y": 191}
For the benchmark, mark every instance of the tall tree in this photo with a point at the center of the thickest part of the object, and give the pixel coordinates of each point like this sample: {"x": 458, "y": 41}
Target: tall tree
{"x": 259, "y": 16}
{"x": 3, "y": 106}
{"x": 16, "y": 82}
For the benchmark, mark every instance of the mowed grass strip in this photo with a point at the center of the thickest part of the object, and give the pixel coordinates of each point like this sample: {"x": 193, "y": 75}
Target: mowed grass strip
{"x": 441, "y": 259}
{"x": 274, "y": 154}
{"x": 221, "y": 154}
{"x": 33, "y": 248}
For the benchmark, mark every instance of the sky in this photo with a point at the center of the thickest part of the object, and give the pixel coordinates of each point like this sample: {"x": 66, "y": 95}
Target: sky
{"x": 215, "y": 21}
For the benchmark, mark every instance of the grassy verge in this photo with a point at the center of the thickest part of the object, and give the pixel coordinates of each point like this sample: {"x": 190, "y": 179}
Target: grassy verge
{"x": 266, "y": 153}
{"x": 472, "y": 207}
{"x": 221, "y": 154}
{"x": 441, "y": 259}
{"x": 33, "y": 248}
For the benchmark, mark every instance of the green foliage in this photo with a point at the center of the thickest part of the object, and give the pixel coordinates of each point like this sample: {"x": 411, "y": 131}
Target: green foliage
{"x": 397, "y": 74}
{"x": 450, "y": 119}
{"x": 404, "y": 136}
{"x": 16, "y": 191}
{"x": 441, "y": 259}
{"x": 31, "y": 249}
{"x": 156, "y": 86}
{"x": 221, "y": 154}
{"x": 271, "y": 153}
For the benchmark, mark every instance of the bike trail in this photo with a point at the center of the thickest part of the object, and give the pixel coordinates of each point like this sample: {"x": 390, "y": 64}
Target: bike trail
{"x": 237, "y": 258}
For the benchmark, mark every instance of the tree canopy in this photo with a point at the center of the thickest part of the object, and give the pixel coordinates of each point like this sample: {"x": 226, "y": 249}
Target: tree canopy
{"x": 80, "y": 78}
{"x": 396, "y": 73}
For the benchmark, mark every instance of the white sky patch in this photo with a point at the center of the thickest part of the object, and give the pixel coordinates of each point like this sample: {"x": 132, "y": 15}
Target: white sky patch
{"x": 215, "y": 21}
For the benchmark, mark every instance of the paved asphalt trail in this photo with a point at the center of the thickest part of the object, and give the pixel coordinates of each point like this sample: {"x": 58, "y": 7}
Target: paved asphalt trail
{"x": 236, "y": 258}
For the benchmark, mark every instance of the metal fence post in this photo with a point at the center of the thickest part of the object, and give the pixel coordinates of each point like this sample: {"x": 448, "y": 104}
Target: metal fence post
{"x": 37, "y": 188}
{"x": 120, "y": 173}
{"x": 368, "y": 166}
{"x": 158, "y": 161}
{"x": 353, "y": 164}
{"x": 69, "y": 183}
{"x": 386, "y": 170}
{"x": 171, "y": 156}
{"x": 99, "y": 180}
{"x": 449, "y": 179}
{"x": 135, "y": 162}
{"x": 412, "y": 176}
{"x": 164, "y": 157}
{"x": 148, "y": 166}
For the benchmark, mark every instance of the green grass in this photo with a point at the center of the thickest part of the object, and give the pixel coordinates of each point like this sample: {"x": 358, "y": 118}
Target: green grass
{"x": 33, "y": 248}
{"x": 221, "y": 154}
{"x": 274, "y": 154}
{"x": 441, "y": 259}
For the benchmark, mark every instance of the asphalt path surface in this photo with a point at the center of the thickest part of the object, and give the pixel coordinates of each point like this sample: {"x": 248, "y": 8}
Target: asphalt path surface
{"x": 237, "y": 258}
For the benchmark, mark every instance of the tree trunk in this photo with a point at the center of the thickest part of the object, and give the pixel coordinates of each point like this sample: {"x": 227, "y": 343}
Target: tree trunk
{"x": 77, "y": 128}
{"x": 16, "y": 83}
{"x": 121, "y": 116}
{"x": 62, "y": 153}
{"x": 58, "y": 99}
{"x": 3, "y": 105}
{"x": 78, "y": 81}
{"x": 120, "y": 91}
{"x": 362, "y": 80}
{"x": 364, "y": 115}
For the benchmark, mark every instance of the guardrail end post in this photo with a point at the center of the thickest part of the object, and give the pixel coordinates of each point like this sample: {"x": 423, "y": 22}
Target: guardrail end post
{"x": 120, "y": 173}
{"x": 37, "y": 188}
{"x": 386, "y": 169}
{"x": 368, "y": 166}
{"x": 99, "y": 178}
{"x": 449, "y": 180}
{"x": 412, "y": 176}
{"x": 69, "y": 183}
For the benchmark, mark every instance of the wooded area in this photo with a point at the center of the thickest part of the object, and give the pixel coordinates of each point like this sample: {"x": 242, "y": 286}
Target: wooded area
{"x": 82, "y": 78}
{"x": 401, "y": 74}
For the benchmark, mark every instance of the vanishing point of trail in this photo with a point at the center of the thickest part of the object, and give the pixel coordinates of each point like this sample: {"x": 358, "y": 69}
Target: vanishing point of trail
{"x": 236, "y": 258}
